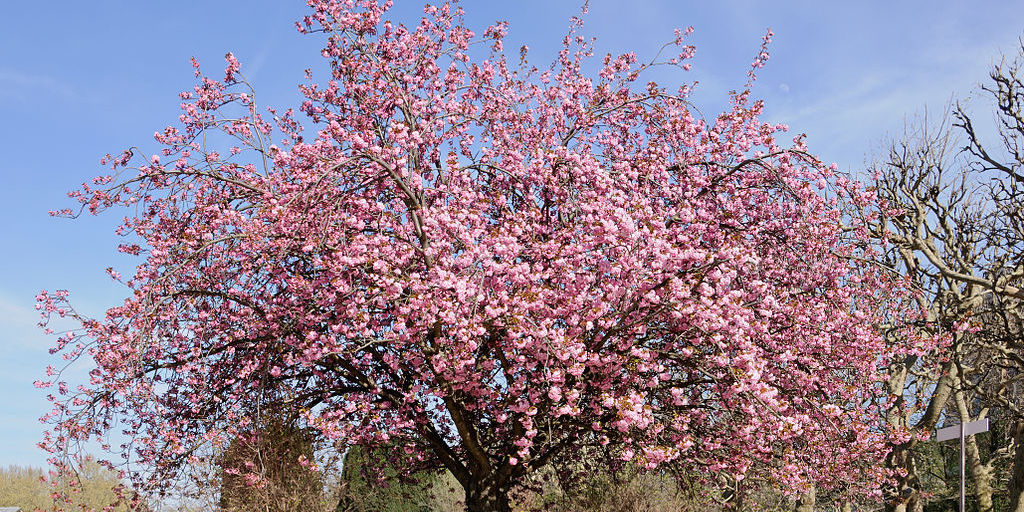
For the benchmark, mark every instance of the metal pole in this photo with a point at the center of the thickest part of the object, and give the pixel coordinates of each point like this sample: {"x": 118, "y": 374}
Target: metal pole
{"x": 962, "y": 459}
{"x": 963, "y": 430}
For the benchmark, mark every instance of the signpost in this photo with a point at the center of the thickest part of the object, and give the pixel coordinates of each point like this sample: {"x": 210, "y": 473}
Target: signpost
{"x": 962, "y": 431}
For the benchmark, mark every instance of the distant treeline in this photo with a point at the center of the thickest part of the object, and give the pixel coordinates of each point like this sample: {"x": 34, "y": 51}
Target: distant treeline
{"x": 31, "y": 489}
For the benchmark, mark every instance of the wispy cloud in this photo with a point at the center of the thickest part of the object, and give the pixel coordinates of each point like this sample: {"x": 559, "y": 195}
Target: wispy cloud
{"x": 858, "y": 109}
{"x": 20, "y": 86}
{"x": 18, "y": 326}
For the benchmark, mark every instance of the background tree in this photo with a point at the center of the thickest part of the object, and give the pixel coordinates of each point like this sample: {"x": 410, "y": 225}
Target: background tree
{"x": 489, "y": 268}
{"x": 24, "y": 487}
{"x": 365, "y": 488}
{"x": 267, "y": 468}
{"x": 94, "y": 487}
{"x": 956, "y": 229}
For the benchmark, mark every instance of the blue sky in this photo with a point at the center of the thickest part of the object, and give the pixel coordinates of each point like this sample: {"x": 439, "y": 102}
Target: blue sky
{"x": 88, "y": 78}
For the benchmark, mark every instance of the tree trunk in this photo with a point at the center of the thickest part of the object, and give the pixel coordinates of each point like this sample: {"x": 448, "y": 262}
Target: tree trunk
{"x": 740, "y": 505}
{"x": 981, "y": 473}
{"x": 806, "y": 501}
{"x": 916, "y": 504}
{"x": 900, "y": 457}
{"x": 488, "y": 495}
{"x": 907, "y": 496}
{"x": 1016, "y": 489}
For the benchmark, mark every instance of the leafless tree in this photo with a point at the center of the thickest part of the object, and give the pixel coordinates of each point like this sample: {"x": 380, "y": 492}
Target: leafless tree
{"x": 955, "y": 228}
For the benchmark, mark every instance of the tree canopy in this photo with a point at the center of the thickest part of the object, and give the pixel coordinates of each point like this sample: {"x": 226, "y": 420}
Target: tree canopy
{"x": 486, "y": 266}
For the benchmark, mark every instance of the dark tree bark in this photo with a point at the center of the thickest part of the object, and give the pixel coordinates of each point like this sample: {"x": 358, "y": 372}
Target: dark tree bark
{"x": 1016, "y": 487}
{"x": 489, "y": 494}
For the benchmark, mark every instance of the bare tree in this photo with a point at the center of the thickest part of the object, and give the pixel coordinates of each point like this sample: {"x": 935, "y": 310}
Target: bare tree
{"x": 954, "y": 227}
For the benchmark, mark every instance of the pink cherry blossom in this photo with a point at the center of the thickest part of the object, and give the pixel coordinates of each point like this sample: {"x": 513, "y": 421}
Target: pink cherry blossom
{"x": 487, "y": 265}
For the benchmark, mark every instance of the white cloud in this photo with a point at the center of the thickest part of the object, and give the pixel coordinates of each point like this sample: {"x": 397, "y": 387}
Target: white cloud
{"x": 18, "y": 322}
{"x": 17, "y": 85}
{"x": 859, "y": 108}
{"x": 24, "y": 345}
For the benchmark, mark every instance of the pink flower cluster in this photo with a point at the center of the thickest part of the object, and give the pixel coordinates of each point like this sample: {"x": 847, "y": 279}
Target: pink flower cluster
{"x": 488, "y": 265}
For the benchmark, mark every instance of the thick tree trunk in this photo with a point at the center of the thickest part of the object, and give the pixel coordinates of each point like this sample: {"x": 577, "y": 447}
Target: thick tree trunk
{"x": 806, "y": 501}
{"x": 732, "y": 492}
{"x": 981, "y": 473}
{"x": 907, "y": 497}
{"x": 900, "y": 457}
{"x": 488, "y": 495}
{"x": 1016, "y": 490}
{"x": 740, "y": 505}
